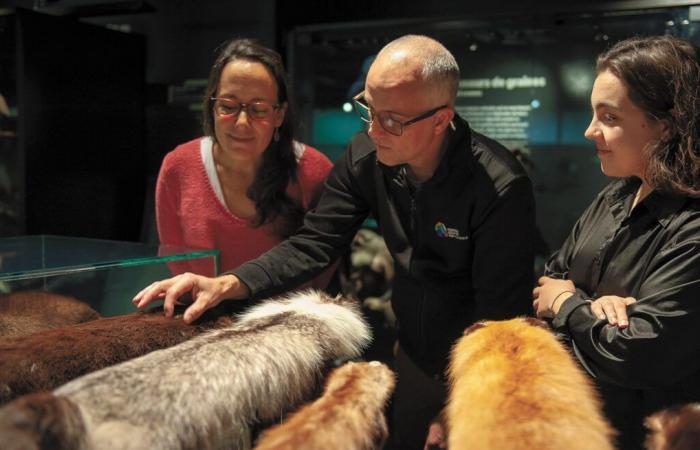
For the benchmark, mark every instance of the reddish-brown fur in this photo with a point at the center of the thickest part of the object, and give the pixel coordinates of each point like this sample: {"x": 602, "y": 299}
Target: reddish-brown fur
{"x": 349, "y": 415}
{"x": 676, "y": 428}
{"x": 45, "y": 360}
{"x": 27, "y": 312}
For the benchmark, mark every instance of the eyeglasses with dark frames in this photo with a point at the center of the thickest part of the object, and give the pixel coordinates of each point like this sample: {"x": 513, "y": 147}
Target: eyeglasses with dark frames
{"x": 388, "y": 123}
{"x": 228, "y": 108}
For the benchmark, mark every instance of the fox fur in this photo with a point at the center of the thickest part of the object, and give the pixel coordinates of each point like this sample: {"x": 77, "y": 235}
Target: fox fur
{"x": 205, "y": 392}
{"x": 27, "y": 312}
{"x": 675, "y": 428}
{"x": 46, "y": 360}
{"x": 514, "y": 386}
{"x": 349, "y": 415}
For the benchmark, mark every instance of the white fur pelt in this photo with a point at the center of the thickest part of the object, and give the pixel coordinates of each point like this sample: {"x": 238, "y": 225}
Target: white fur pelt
{"x": 514, "y": 386}
{"x": 348, "y": 416}
{"x": 203, "y": 393}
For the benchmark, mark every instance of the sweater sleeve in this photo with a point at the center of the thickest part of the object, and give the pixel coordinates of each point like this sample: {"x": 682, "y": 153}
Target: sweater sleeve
{"x": 168, "y": 223}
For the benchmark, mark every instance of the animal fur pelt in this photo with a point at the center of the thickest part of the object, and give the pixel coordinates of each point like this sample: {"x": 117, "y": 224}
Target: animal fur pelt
{"x": 46, "y": 360}
{"x": 349, "y": 415}
{"x": 27, "y": 312}
{"x": 675, "y": 428}
{"x": 203, "y": 393}
{"x": 514, "y": 386}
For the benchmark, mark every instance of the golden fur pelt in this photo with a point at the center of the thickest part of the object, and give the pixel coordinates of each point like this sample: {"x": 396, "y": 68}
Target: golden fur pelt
{"x": 348, "y": 416}
{"x": 27, "y": 312}
{"x": 514, "y": 386}
{"x": 201, "y": 394}
{"x": 675, "y": 428}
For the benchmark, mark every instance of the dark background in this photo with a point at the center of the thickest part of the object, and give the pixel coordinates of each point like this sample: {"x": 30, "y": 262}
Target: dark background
{"x": 100, "y": 90}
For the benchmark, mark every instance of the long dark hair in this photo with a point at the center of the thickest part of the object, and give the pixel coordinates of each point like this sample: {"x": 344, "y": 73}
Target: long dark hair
{"x": 662, "y": 75}
{"x": 279, "y": 163}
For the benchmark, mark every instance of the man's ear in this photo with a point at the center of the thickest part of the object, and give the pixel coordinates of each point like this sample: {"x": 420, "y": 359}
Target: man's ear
{"x": 443, "y": 119}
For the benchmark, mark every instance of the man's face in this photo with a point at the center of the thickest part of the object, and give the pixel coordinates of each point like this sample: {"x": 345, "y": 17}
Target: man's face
{"x": 392, "y": 89}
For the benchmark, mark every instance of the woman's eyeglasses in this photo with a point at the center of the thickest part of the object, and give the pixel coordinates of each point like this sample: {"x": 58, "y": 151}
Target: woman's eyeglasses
{"x": 390, "y": 125}
{"x": 228, "y": 108}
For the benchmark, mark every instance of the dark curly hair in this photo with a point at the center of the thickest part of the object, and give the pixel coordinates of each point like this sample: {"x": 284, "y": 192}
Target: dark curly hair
{"x": 662, "y": 75}
{"x": 279, "y": 163}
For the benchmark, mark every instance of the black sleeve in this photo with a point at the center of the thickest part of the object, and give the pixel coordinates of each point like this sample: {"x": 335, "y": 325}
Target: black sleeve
{"x": 504, "y": 254}
{"x": 327, "y": 231}
{"x": 662, "y": 343}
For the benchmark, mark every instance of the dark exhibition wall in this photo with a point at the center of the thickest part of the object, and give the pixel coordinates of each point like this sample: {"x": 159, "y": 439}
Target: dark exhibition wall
{"x": 95, "y": 92}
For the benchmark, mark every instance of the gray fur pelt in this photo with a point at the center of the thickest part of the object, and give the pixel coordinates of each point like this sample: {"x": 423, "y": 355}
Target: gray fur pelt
{"x": 203, "y": 393}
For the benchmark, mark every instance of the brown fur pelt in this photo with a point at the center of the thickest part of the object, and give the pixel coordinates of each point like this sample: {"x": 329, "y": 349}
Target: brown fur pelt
{"x": 514, "y": 385}
{"x": 675, "y": 428}
{"x": 203, "y": 393}
{"x": 27, "y": 312}
{"x": 349, "y": 415}
{"x": 45, "y": 360}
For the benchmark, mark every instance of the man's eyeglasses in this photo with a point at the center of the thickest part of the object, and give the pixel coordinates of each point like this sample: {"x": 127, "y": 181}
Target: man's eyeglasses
{"x": 226, "y": 107}
{"x": 390, "y": 125}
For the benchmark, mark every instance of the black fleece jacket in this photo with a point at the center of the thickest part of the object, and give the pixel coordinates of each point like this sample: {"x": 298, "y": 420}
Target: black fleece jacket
{"x": 462, "y": 243}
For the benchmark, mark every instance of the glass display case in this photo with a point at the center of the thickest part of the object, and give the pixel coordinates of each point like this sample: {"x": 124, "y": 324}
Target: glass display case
{"x": 104, "y": 274}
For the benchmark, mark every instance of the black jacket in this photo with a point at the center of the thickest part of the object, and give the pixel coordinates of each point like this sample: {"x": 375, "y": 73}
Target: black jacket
{"x": 462, "y": 244}
{"x": 653, "y": 254}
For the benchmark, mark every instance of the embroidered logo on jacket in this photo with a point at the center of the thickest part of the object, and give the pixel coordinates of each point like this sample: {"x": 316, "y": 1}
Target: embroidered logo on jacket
{"x": 451, "y": 233}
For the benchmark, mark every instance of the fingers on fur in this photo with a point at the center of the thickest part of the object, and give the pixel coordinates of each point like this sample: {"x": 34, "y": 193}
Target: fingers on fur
{"x": 206, "y": 392}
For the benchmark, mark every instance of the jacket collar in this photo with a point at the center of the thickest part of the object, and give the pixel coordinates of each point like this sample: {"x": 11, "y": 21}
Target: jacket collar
{"x": 662, "y": 206}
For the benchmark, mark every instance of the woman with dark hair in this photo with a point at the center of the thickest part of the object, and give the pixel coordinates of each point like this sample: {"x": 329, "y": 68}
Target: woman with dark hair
{"x": 625, "y": 286}
{"x": 245, "y": 186}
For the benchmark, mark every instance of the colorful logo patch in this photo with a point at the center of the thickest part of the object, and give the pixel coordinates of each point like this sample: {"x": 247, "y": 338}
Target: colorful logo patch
{"x": 444, "y": 231}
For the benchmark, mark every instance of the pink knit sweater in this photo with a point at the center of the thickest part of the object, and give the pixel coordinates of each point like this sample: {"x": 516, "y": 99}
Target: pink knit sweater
{"x": 189, "y": 213}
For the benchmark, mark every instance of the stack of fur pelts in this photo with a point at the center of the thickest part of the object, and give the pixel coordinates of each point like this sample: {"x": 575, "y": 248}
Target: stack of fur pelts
{"x": 203, "y": 393}
{"x": 45, "y": 360}
{"x": 514, "y": 386}
{"x": 349, "y": 415}
{"x": 675, "y": 428}
{"x": 26, "y": 312}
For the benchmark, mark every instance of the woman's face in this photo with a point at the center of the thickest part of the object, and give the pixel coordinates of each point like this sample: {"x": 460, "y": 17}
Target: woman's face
{"x": 619, "y": 128}
{"x": 242, "y": 136}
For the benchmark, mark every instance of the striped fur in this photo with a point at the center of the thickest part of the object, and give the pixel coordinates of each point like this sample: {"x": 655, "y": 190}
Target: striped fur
{"x": 514, "y": 386}
{"x": 349, "y": 415}
{"x": 206, "y": 392}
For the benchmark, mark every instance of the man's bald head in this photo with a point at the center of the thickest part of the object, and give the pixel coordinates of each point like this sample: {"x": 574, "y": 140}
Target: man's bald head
{"x": 420, "y": 58}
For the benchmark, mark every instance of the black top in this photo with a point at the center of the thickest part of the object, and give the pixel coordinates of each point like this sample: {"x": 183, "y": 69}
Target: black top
{"x": 653, "y": 254}
{"x": 462, "y": 243}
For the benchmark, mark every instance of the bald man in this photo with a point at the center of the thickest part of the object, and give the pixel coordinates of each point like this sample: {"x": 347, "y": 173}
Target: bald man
{"x": 455, "y": 208}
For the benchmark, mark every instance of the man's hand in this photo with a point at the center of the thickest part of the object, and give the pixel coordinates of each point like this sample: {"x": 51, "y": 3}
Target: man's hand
{"x": 550, "y": 294}
{"x": 613, "y": 308}
{"x": 436, "y": 437}
{"x": 206, "y": 293}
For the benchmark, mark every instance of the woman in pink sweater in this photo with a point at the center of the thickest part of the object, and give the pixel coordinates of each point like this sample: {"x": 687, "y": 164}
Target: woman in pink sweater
{"x": 245, "y": 186}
